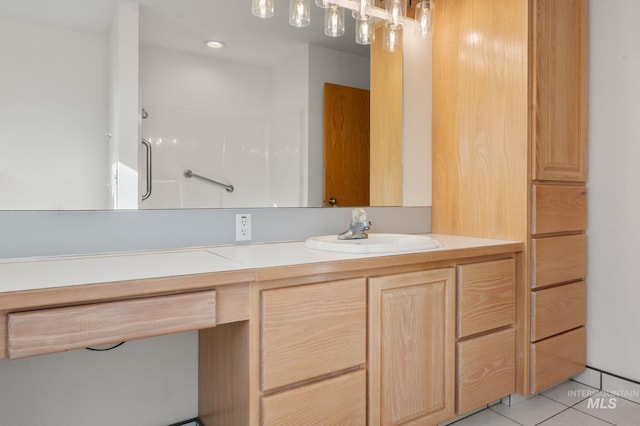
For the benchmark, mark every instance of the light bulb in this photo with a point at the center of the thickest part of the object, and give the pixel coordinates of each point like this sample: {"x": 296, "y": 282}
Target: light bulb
{"x": 362, "y": 7}
{"x": 322, "y": 3}
{"x": 391, "y": 37}
{"x": 396, "y": 11}
{"x": 365, "y": 30}
{"x": 334, "y": 20}
{"x": 262, "y": 8}
{"x": 424, "y": 23}
{"x": 299, "y": 13}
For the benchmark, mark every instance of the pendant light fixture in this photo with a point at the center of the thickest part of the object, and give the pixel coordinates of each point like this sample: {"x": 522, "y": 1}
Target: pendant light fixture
{"x": 262, "y": 8}
{"x": 424, "y": 22}
{"x": 299, "y": 13}
{"x": 334, "y": 20}
{"x": 364, "y": 12}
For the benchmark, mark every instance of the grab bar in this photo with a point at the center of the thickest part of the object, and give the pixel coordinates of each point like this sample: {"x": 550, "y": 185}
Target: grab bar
{"x": 147, "y": 145}
{"x": 189, "y": 173}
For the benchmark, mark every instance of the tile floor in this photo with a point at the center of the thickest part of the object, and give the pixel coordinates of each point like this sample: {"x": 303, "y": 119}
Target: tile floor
{"x": 568, "y": 404}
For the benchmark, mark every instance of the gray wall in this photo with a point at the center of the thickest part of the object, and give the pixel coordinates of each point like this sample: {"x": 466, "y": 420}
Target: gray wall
{"x": 48, "y": 233}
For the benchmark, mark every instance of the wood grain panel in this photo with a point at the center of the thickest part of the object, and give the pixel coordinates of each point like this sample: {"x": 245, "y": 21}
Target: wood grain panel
{"x": 558, "y": 208}
{"x": 480, "y": 119}
{"x": 223, "y": 374}
{"x": 558, "y": 259}
{"x": 54, "y": 330}
{"x": 340, "y": 400}
{"x": 486, "y": 369}
{"x": 560, "y": 124}
{"x": 386, "y": 126}
{"x": 411, "y": 348}
{"x": 486, "y": 296}
{"x": 558, "y": 309}
{"x": 312, "y": 330}
{"x": 558, "y": 358}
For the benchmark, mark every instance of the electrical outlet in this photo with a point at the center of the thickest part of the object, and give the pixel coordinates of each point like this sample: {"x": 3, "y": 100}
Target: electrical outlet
{"x": 243, "y": 227}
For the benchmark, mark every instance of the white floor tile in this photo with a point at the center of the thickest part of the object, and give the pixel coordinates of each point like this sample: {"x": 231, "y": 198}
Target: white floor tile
{"x": 486, "y": 418}
{"x": 612, "y": 409}
{"x": 620, "y": 387}
{"x": 532, "y": 411}
{"x": 573, "y": 417}
{"x": 570, "y": 393}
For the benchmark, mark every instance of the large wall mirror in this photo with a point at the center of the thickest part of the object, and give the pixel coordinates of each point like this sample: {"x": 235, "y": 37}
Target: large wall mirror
{"x": 103, "y": 102}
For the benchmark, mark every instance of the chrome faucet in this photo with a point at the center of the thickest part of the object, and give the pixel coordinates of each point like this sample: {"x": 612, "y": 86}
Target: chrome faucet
{"x": 359, "y": 226}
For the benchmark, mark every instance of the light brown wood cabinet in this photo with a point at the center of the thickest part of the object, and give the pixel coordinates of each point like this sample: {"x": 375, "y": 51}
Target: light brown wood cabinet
{"x": 486, "y": 347}
{"x": 363, "y": 341}
{"x": 411, "y": 348}
{"x": 486, "y": 296}
{"x": 57, "y": 329}
{"x": 510, "y": 150}
{"x": 310, "y": 337}
{"x": 311, "y": 331}
{"x": 486, "y": 369}
{"x": 337, "y": 400}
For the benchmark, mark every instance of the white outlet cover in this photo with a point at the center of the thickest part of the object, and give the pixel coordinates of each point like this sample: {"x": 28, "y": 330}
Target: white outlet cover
{"x": 243, "y": 227}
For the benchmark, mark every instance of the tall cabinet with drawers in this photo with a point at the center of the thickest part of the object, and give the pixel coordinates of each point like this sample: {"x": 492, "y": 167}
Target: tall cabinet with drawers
{"x": 510, "y": 160}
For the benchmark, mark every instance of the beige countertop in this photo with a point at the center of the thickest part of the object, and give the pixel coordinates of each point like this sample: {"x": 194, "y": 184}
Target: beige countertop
{"x": 49, "y": 272}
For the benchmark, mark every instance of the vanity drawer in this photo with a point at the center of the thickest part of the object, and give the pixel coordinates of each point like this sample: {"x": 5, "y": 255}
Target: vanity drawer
{"x": 486, "y": 369}
{"x": 59, "y": 329}
{"x": 340, "y": 400}
{"x": 558, "y": 358}
{"x": 559, "y": 208}
{"x": 558, "y": 259}
{"x": 312, "y": 330}
{"x": 558, "y": 309}
{"x": 486, "y": 296}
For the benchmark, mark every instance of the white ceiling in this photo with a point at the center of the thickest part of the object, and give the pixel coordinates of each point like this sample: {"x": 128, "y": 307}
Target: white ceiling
{"x": 186, "y": 24}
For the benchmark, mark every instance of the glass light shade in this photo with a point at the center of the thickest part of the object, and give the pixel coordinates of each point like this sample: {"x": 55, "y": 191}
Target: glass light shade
{"x": 365, "y": 30}
{"x": 391, "y": 37}
{"x": 424, "y": 23}
{"x": 299, "y": 13}
{"x": 262, "y": 8}
{"x": 362, "y": 7}
{"x": 322, "y": 3}
{"x": 334, "y": 20}
{"x": 396, "y": 10}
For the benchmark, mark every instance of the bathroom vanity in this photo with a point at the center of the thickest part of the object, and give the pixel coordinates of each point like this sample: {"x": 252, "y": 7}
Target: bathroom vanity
{"x": 291, "y": 335}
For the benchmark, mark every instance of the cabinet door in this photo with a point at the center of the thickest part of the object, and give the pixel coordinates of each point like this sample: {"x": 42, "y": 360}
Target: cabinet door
{"x": 486, "y": 369}
{"x": 486, "y": 296}
{"x": 312, "y": 330}
{"x": 558, "y": 358}
{"x": 558, "y": 259}
{"x": 558, "y": 309}
{"x": 336, "y": 401}
{"x": 560, "y": 90}
{"x": 411, "y": 347}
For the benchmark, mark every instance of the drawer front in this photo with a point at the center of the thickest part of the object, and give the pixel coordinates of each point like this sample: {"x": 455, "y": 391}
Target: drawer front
{"x": 558, "y": 259}
{"x": 558, "y": 358}
{"x": 59, "y": 329}
{"x": 486, "y": 296}
{"x": 312, "y": 330}
{"x": 559, "y": 208}
{"x": 558, "y": 309}
{"x": 339, "y": 400}
{"x": 486, "y": 369}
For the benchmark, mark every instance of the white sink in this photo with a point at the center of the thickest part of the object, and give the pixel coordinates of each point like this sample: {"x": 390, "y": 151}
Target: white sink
{"x": 376, "y": 243}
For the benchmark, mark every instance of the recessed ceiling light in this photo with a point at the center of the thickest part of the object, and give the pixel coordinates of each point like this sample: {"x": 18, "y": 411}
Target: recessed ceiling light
{"x": 214, "y": 44}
